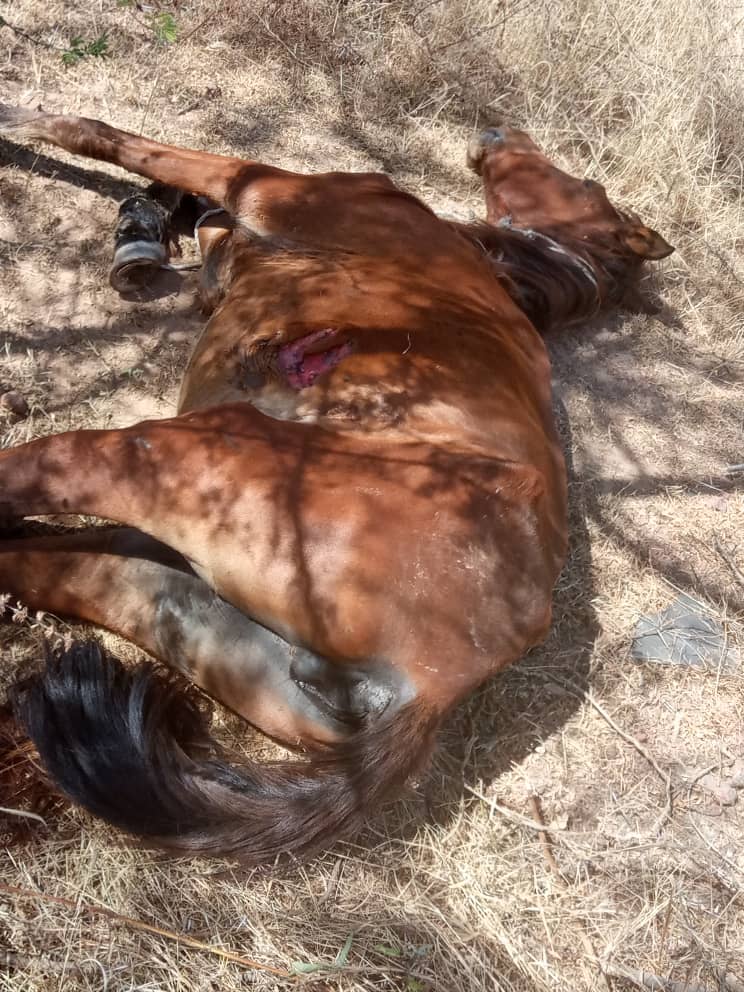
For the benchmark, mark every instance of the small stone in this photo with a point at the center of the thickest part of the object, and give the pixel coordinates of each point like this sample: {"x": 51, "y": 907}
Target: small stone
{"x": 720, "y": 789}
{"x": 14, "y": 403}
{"x": 736, "y": 775}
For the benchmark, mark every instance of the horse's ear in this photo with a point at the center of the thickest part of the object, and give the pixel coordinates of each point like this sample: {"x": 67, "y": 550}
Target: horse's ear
{"x": 646, "y": 243}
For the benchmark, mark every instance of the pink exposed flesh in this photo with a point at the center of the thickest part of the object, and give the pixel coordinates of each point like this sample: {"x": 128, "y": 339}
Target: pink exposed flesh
{"x": 300, "y": 369}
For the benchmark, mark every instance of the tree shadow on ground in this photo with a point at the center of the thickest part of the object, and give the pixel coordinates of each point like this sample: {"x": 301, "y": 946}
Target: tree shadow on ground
{"x": 81, "y": 177}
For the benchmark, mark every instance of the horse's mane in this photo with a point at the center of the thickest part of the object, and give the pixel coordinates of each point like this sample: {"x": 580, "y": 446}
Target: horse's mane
{"x": 556, "y": 279}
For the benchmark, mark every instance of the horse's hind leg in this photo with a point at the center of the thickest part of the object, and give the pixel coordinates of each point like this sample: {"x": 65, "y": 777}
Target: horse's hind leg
{"x": 137, "y": 587}
{"x": 191, "y": 482}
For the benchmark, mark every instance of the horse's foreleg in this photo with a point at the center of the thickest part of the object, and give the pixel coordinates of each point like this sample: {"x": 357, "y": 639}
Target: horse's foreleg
{"x": 215, "y": 176}
{"x": 133, "y": 585}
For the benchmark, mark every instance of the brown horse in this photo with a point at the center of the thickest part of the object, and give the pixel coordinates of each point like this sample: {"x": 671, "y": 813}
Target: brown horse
{"x": 359, "y": 511}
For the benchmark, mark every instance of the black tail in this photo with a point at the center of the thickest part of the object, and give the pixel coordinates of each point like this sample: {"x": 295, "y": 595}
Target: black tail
{"x": 133, "y": 747}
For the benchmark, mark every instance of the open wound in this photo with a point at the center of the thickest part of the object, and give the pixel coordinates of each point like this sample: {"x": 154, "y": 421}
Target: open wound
{"x": 301, "y": 366}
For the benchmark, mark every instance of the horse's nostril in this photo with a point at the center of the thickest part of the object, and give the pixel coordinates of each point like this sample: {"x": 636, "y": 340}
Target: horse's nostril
{"x": 480, "y": 144}
{"x": 493, "y": 135}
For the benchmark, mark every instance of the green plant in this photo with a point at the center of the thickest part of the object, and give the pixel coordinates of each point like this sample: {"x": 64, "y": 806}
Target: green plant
{"x": 164, "y": 27}
{"x": 340, "y": 962}
{"x": 80, "y": 49}
{"x": 162, "y": 23}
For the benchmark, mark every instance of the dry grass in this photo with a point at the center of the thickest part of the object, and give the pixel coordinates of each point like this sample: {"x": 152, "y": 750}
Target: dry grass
{"x": 448, "y": 891}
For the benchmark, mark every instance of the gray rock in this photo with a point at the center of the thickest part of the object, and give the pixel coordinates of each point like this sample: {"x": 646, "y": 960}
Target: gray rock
{"x": 685, "y": 634}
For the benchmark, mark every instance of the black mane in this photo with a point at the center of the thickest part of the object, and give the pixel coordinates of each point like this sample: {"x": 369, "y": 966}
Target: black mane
{"x": 557, "y": 280}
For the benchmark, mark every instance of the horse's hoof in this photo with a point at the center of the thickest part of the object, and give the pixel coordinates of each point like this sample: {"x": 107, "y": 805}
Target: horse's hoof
{"x": 140, "y": 242}
{"x": 19, "y": 122}
{"x": 136, "y": 264}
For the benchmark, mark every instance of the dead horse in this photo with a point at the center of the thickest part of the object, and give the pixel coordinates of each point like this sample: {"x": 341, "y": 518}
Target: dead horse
{"x": 359, "y": 511}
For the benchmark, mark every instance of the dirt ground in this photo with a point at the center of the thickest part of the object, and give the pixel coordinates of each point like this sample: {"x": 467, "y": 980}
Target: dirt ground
{"x": 454, "y": 888}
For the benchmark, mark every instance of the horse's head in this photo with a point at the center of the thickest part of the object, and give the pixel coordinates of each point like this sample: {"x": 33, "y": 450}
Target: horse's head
{"x": 526, "y": 193}
{"x": 522, "y": 185}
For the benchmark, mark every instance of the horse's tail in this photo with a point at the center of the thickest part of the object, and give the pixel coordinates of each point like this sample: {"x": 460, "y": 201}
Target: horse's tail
{"x": 133, "y": 747}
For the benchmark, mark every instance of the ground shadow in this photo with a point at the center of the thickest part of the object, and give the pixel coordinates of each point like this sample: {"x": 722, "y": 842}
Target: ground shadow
{"x": 82, "y": 177}
{"x": 648, "y": 440}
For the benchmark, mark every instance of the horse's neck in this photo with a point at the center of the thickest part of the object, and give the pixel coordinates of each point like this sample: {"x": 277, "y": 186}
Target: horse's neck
{"x": 555, "y": 283}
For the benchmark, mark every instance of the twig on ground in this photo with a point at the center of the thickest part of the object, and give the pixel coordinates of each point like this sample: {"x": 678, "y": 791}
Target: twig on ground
{"x": 733, "y": 568}
{"x": 217, "y": 9}
{"x": 510, "y": 814}
{"x": 734, "y": 469}
{"x": 135, "y": 924}
{"x": 545, "y": 842}
{"x": 588, "y": 697}
{"x": 149, "y": 101}
{"x": 731, "y": 864}
{"x": 329, "y": 894}
{"x": 647, "y": 980}
{"x": 29, "y": 37}
{"x": 24, "y": 813}
{"x": 269, "y": 30}
{"x": 547, "y": 850}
